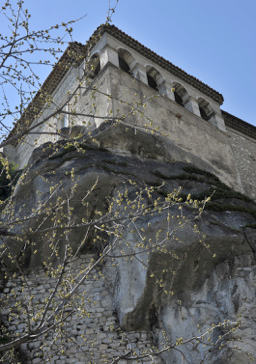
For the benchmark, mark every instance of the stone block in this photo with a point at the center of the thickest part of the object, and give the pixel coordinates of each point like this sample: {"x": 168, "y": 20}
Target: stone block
{"x": 103, "y": 347}
{"x": 89, "y": 331}
{"x": 36, "y": 360}
{"x": 107, "y": 302}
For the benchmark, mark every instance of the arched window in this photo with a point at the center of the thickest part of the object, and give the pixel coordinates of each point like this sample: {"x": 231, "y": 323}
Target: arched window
{"x": 180, "y": 94}
{"x": 206, "y": 110}
{"x": 178, "y": 98}
{"x": 126, "y": 60}
{"x": 123, "y": 65}
{"x": 151, "y": 82}
{"x": 155, "y": 80}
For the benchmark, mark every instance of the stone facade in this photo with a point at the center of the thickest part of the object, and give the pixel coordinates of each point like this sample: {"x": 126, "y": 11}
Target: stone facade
{"x": 244, "y": 149}
{"x": 142, "y": 89}
{"x": 93, "y": 337}
{"x": 131, "y": 85}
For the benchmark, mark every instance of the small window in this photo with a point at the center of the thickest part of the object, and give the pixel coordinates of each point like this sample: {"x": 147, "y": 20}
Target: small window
{"x": 151, "y": 82}
{"x": 97, "y": 70}
{"x": 126, "y": 61}
{"x": 180, "y": 94}
{"x": 155, "y": 79}
{"x": 178, "y": 99}
{"x": 206, "y": 110}
{"x": 203, "y": 113}
{"x": 123, "y": 65}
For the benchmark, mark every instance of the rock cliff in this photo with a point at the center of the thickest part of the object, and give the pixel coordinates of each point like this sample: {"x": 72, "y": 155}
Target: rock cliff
{"x": 174, "y": 271}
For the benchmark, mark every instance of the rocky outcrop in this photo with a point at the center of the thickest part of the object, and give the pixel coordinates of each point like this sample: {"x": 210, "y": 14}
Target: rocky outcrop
{"x": 183, "y": 273}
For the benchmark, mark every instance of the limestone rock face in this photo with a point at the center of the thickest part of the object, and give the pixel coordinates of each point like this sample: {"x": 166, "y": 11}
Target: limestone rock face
{"x": 177, "y": 280}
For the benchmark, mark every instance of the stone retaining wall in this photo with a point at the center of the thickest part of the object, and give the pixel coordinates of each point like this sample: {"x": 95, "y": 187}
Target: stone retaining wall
{"x": 244, "y": 149}
{"x": 94, "y": 337}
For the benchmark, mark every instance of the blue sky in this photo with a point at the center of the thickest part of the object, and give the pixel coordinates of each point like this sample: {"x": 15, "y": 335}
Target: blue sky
{"x": 211, "y": 40}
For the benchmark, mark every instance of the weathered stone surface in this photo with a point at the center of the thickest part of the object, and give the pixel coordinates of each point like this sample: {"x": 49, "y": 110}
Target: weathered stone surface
{"x": 173, "y": 290}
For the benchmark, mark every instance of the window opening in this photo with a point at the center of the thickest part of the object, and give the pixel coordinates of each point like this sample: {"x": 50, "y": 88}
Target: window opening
{"x": 206, "y": 110}
{"x": 123, "y": 65}
{"x": 97, "y": 70}
{"x": 181, "y": 95}
{"x": 178, "y": 99}
{"x": 203, "y": 114}
{"x": 151, "y": 82}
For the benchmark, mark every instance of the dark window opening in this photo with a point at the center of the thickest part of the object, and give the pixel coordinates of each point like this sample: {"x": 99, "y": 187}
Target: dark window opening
{"x": 151, "y": 82}
{"x": 178, "y": 98}
{"x": 97, "y": 70}
{"x": 123, "y": 65}
{"x": 203, "y": 114}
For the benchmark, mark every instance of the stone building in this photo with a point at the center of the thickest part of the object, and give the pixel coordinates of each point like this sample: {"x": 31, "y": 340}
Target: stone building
{"x": 135, "y": 308}
{"x": 114, "y": 77}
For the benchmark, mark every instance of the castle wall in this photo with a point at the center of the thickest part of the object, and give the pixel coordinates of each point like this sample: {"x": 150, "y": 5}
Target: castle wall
{"x": 85, "y": 103}
{"x": 167, "y": 79}
{"x": 201, "y": 143}
{"x": 229, "y": 155}
{"x": 96, "y": 104}
{"x": 46, "y": 131}
{"x": 92, "y": 337}
{"x": 244, "y": 149}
